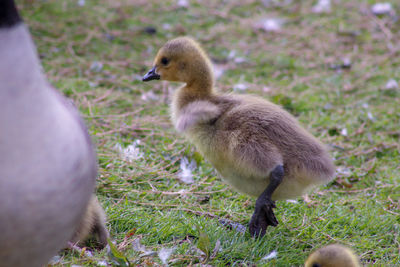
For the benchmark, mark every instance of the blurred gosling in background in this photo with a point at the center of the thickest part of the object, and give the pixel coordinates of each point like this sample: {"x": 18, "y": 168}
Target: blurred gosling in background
{"x": 334, "y": 255}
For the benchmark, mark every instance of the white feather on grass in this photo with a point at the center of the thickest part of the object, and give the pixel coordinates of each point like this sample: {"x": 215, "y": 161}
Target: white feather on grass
{"x": 185, "y": 174}
{"x": 382, "y": 8}
{"x": 271, "y": 255}
{"x": 81, "y": 2}
{"x": 183, "y": 3}
{"x": 392, "y": 84}
{"x": 102, "y": 263}
{"x": 270, "y": 24}
{"x": 322, "y": 6}
{"x": 164, "y": 254}
{"x": 137, "y": 246}
{"x": 131, "y": 152}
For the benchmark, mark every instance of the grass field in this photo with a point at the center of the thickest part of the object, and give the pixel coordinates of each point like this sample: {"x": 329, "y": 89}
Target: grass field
{"x": 331, "y": 70}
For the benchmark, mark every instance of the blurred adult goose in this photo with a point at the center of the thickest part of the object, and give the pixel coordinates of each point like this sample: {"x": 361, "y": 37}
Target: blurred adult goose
{"x": 334, "y": 255}
{"x": 47, "y": 162}
{"x": 256, "y": 146}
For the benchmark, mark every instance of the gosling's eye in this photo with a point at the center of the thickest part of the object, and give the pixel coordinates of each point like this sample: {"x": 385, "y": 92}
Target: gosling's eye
{"x": 316, "y": 265}
{"x": 164, "y": 61}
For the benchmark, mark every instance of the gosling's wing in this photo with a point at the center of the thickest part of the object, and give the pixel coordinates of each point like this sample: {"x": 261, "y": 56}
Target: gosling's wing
{"x": 243, "y": 131}
{"x": 195, "y": 113}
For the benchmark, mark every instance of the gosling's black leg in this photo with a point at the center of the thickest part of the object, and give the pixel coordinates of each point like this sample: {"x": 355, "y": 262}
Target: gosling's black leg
{"x": 263, "y": 215}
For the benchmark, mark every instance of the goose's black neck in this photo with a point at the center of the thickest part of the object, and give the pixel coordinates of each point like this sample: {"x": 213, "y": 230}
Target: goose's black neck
{"x": 8, "y": 14}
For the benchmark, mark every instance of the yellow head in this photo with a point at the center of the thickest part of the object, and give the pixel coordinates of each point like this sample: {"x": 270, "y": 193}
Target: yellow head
{"x": 181, "y": 60}
{"x": 333, "y": 256}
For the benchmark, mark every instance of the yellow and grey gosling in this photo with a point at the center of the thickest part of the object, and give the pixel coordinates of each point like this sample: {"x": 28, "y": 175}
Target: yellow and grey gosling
{"x": 334, "y": 255}
{"x": 255, "y": 145}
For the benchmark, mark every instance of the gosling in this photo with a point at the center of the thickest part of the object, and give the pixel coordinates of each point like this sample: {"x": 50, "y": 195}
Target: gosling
{"x": 47, "y": 161}
{"x": 334, "y": 255}
{"x": 92, "y": 225}
{"x": 256, "y": 146}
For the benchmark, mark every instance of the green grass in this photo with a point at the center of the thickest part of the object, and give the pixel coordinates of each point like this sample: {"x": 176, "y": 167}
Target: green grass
{"x": 144, "y": 198}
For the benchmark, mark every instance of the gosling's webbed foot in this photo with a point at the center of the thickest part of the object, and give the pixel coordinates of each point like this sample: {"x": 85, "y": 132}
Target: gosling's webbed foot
{"x": 263, "y": 217}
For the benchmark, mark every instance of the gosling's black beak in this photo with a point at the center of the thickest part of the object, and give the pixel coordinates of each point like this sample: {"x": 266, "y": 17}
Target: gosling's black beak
{"x": 151, "y": 75}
